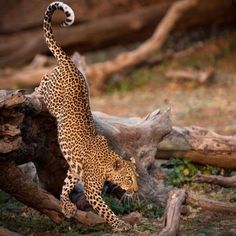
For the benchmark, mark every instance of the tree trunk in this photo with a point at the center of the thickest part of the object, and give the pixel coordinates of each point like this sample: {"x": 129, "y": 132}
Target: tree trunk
{"x": 14, "y": 182}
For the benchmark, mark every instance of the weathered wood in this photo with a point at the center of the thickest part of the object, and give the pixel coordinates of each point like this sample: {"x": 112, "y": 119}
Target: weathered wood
{"x": 26, "y": 115}
{"x": 209, "y": 204}
{"x": 223, "y": 181}
{"x": 30, "y": 76}
{"x": 130, "y": 136}
{"x": 199, "y": 145}
{"x": 173, "y": 211}
{"x": 38, "y": 143}
{"x": 15, "y": 183}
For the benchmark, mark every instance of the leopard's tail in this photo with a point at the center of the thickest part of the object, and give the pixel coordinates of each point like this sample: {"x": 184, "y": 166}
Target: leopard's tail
{"x": 56, "y": 50}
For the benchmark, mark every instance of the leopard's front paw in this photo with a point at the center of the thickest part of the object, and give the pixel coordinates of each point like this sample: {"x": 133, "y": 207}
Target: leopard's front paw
{"x": 122, "y": 226}
{"x": 68, "y": 209}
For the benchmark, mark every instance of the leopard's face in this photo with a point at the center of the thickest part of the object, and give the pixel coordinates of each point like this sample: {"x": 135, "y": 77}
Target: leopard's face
{"x": 123, "y": 173}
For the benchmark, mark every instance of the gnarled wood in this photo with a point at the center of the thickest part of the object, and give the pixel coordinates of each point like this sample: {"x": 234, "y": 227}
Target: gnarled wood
{"x": 130, "y": 136}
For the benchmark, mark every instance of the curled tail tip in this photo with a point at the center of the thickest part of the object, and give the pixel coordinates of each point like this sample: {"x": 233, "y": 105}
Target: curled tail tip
{"x": 70, "y": 16}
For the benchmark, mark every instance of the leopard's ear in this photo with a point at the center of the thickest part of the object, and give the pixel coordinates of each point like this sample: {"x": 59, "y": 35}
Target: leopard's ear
{"x": 128, "y": 158}
{"x": 132, "y": 159}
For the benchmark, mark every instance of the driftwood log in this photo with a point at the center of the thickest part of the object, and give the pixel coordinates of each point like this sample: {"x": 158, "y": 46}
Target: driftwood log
{"x": 14, "y": 182}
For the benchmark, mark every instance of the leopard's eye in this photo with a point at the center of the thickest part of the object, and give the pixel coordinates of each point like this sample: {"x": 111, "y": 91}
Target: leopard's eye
{"x": 117, "y": 165}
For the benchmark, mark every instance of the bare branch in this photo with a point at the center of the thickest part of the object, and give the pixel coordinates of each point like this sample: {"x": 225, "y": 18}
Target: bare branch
{"x": 172, "y": 215}
{"x": 223, "y": 181}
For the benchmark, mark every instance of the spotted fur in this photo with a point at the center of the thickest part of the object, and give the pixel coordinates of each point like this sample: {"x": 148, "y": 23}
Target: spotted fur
{"x": 90, "y": 159}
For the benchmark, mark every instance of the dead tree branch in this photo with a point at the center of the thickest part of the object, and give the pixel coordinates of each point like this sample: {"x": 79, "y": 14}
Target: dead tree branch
{"x": 103, "y": 24}
{"x": 199, "y": 145}
{"x": 211, "y": 205}
{"x": 26, "y": 138}
{"x": 172, "y": 215}
{"x": 228, "y": 182}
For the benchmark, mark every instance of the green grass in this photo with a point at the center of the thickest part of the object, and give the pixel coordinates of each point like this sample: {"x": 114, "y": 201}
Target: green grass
{"x": 182, "y": 171}
{"x": 146, "y": 208}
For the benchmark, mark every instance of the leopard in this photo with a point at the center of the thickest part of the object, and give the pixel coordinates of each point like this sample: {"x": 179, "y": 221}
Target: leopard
{"x": 90, "y": 158}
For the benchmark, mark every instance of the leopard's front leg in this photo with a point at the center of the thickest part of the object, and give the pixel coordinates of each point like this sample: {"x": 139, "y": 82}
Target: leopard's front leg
{"x": 68, "y": 208}
{"x": 93, "y": 194}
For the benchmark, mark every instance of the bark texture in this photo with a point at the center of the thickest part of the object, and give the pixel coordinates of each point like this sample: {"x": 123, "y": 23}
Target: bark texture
{"x": 25, "y": 137}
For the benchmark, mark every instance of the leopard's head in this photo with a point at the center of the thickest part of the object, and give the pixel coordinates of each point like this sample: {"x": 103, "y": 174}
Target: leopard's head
{"x": 123, "y": 173}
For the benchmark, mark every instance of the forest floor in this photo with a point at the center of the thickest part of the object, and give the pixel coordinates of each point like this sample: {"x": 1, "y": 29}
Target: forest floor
{"x": 139, "y": 92}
